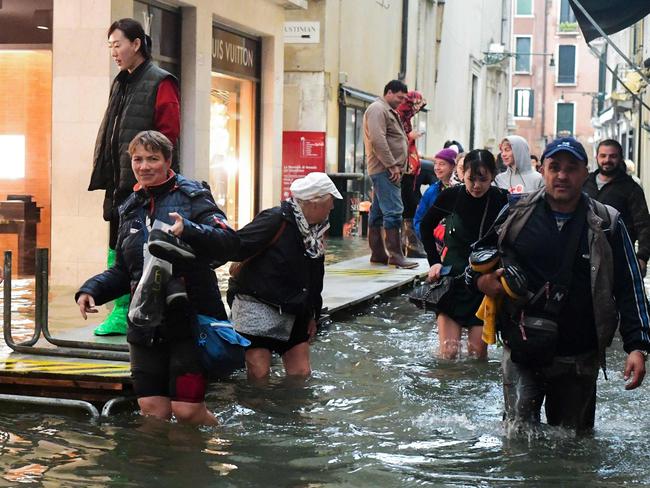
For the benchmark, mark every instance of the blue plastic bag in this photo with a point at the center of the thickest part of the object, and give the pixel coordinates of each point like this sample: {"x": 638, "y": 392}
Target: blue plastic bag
{"x": 221, "y": 347}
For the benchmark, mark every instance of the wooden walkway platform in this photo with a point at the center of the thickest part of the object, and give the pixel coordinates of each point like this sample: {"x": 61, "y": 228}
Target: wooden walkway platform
{"x": 352, "y": 282}
{"x": 347, "y": 284}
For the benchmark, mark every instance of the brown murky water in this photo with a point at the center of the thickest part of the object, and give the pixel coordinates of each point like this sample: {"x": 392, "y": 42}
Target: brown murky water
{"x": 380, "y": 410}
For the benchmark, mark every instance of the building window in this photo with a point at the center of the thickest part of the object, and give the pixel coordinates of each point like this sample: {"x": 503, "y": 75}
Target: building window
{"x": 26, "y": 129}
{"x": 602, "y": 80}
{"x": 355, "y": 152}
{"x": 163, "y": 24}
{"x": 566, "y": 13}
{"x": 233, "y": 121}
{"x": 524, "y": 102}
{"x": 524, "y": 8}
{"x": 523, "y": 50}
{"x": 12, "y": 147}
{"x": 566, "y": 72}
{"x": 420, "y": 124}
{"x": 565, "y": 119}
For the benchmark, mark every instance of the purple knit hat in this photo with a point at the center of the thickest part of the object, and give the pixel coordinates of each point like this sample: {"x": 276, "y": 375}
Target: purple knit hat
{"x": 448, "y": 155}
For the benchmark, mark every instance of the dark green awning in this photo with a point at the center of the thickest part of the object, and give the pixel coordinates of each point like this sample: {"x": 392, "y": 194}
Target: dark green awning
{"x": 611, "y": 15}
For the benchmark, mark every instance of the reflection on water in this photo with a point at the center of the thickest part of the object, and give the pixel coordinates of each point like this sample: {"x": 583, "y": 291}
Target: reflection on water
{"x": 380, "y": 410}
{"x": 22, "y": 307}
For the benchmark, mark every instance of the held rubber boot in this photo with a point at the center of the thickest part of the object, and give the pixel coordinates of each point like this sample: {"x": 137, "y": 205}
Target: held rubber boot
{"x": 376, "y": 242}
{"x": 394, "y": 246}
{"x": 115, "y": 323}
{"x": 413, "y": 248}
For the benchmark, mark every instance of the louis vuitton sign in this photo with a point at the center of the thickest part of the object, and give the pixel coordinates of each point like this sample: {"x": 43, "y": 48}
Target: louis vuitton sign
{"x": 235, "y": 54}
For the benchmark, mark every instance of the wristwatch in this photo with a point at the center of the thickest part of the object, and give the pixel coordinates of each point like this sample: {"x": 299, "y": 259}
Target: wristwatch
{"x": 643, "y": 353}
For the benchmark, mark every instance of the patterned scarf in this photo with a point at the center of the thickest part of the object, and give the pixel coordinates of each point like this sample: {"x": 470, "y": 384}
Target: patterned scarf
{"x": 312, "y": 235}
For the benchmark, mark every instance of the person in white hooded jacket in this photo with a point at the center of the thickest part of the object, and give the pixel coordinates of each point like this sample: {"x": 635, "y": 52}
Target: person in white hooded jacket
{"x": 519, "y": 176}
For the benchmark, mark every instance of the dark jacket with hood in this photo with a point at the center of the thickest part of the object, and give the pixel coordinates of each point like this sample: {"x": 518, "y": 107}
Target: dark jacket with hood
{"x": 204, "y": 229}
{"x": 131, "y": 109}
{"x": 282, "y": 275}
{"x": 626, "y": 196}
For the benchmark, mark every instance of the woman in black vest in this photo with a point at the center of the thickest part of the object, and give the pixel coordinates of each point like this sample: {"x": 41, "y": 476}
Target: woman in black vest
{"x": 143, "y": 97}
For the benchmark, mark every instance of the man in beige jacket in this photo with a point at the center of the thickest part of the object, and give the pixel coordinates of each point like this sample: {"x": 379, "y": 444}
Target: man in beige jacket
{"x": 386, "y": 152}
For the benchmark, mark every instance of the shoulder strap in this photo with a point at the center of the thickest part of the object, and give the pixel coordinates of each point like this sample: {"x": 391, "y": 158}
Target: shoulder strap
{"x": 608, "y": 214}
{"x": 235, "y": 268}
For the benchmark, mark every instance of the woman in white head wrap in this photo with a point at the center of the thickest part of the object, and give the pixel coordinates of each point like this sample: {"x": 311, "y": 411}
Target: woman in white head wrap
{"x": 275, "y": 294}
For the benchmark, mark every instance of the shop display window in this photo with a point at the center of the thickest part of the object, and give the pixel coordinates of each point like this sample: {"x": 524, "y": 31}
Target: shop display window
{"x": 232, "y": 146}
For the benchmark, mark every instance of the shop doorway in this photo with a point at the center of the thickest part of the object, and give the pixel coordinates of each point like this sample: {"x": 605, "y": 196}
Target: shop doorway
{"x": 25, "y": 129}
{"x": 233, "y": 124}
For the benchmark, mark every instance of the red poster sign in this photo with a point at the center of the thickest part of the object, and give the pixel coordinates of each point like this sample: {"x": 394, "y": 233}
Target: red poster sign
{"x": 302, "y": 153}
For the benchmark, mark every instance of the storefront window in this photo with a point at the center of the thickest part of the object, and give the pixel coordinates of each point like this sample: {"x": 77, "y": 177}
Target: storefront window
{"x": 350, "y": 118}
{"x": 232, "y": 145}
{"x": 163, "y": 24}
{"x": 354, "y": 153}
{"x": 233, "y": 108}
{"x": 25, "y": 130}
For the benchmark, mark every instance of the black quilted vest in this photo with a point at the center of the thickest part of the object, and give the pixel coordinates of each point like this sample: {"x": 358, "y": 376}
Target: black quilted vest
{"x": 131, "y": 109}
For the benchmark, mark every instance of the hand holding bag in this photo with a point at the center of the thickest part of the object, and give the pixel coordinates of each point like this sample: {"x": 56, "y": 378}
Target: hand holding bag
{"x": 147, "y": 307}
{"x": 428, "y": 295}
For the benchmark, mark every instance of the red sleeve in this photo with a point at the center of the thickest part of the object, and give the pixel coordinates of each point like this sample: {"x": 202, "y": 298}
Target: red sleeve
{"x": 168, "y": 110}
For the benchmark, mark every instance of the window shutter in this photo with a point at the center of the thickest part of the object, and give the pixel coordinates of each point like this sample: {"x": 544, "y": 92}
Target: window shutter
{"x": 567, "y": 65}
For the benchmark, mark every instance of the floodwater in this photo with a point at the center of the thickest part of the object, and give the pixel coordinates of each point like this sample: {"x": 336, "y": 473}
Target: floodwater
{"x": 379, "y": 410}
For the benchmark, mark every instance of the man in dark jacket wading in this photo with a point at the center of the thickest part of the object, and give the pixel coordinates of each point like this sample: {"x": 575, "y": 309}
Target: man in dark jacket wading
{"x": 610, "y": 184}
{"x": 549, "y": 232}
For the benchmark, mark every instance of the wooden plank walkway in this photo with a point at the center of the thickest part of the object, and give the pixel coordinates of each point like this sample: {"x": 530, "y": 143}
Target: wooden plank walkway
{"x": 347, "y": 284}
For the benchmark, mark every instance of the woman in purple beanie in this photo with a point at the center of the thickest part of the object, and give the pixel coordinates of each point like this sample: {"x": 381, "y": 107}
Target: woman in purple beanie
{"x": 445, "y": 163}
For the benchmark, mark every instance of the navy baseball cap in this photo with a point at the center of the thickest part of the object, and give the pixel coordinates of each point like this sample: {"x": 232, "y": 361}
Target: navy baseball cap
{"x": 568, "y": 144}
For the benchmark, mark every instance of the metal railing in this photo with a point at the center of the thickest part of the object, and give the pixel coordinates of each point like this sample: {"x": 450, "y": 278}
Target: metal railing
{"x": 63, "y": 347}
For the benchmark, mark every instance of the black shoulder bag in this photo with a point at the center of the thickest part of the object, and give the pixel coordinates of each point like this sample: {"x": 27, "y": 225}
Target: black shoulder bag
{"x": 428, "y": 296}
{"x": 532, "y": 339}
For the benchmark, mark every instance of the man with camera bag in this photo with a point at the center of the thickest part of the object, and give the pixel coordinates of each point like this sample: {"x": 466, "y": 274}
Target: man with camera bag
{"x": 575, "y": 263}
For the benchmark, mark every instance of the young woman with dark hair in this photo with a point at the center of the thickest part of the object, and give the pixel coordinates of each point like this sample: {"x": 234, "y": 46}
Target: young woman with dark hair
{"x": 469, "y": 211}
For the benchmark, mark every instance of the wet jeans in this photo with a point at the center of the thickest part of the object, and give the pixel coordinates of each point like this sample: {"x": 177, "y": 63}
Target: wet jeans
{"x": 387, "y": 206}
{"x": 568, "y": 387}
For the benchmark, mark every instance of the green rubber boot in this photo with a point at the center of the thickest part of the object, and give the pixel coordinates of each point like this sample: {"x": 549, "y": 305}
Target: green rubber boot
{"x": 115, "y": 323}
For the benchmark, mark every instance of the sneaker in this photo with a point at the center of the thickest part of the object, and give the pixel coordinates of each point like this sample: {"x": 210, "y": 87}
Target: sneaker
{"x": 176, "y": 293}
{"x": 167, "y": 246}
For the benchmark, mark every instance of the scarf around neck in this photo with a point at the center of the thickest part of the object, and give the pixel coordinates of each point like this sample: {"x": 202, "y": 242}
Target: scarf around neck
{"x": 312, "y": 235}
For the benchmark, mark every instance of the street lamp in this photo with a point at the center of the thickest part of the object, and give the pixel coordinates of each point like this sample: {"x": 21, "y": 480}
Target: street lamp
{"x": 490, "y": 57}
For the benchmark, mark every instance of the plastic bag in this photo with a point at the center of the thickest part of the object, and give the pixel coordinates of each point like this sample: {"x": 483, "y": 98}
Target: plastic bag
{"x": 147, "y": 307}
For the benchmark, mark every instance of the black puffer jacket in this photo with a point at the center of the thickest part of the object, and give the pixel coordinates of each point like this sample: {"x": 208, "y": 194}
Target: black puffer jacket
{"x": 204, "y": 229}
{"x": 282, "y": 275}
{"x": 626, "y": 196}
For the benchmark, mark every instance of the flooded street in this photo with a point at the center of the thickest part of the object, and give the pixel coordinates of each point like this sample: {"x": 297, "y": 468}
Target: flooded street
{"x": 380, "y": 410}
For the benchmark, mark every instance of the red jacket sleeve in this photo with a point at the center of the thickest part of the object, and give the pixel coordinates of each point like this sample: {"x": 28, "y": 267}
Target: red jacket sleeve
{"x": 168, "y": 110}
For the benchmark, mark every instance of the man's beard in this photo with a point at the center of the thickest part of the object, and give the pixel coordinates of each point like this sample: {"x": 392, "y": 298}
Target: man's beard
{"x": 611, "y": 171}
